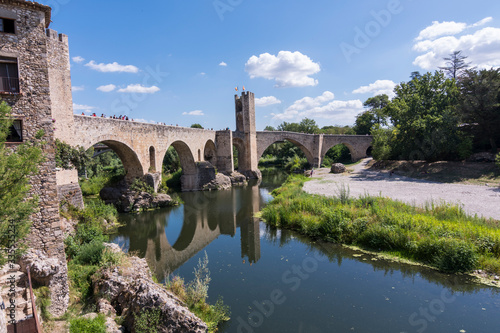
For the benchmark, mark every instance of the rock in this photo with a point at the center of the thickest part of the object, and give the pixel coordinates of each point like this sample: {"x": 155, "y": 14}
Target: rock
{"x": 131, "y": 290}
{"x": 3, "y": 318}
{"x": 153, "y": 180}
{"x": 338, "y": 168}
{"x": 221, "y": 182}
{"x": 161, "y": 200}
{"x": 51, "y": 272}
{"x": 237, "y": 179}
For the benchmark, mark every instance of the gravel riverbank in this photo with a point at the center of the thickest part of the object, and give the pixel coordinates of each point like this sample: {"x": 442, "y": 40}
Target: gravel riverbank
{"x": 481, "y": 200}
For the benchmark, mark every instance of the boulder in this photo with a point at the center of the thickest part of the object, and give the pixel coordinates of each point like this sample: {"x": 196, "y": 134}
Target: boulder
{"x": 221, "y": 182}
{"x": 237, "y": 179}
{"x": 130, "y": 289}
{"x": 51, "y": 272}
{"x": 338, "y": 168}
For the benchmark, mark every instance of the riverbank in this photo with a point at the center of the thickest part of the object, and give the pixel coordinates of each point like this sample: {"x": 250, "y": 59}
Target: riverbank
{"x": 442, "y": 237}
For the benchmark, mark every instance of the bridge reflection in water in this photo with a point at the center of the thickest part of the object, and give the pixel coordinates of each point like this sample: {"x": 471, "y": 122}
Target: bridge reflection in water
{"x": 169, "y": 237}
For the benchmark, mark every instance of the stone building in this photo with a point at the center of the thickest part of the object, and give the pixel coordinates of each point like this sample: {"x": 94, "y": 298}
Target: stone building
{"x": 35, "y": 82}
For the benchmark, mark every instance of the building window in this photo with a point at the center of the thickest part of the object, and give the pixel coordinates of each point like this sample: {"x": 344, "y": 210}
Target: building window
{"x": 9, "y": 76}
{"x": 16, "y": 131}
{"x": 7, "y": 26}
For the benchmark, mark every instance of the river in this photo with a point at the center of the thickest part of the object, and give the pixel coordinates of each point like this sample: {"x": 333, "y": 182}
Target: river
{"x": 278, "y": 281}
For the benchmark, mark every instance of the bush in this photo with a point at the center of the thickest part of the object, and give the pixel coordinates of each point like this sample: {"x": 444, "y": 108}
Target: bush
{"x": 147, "y": 321}
{"x": 455, "y": 256}
{"x": 497, "y": 160}
{"x": 84, "y": 325}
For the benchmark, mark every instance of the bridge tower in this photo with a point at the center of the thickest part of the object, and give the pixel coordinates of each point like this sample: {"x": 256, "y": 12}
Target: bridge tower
{"x": 245, "y": 137}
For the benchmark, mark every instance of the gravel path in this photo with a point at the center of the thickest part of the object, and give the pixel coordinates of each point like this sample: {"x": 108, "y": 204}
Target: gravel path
{"x": 475, "y": 199}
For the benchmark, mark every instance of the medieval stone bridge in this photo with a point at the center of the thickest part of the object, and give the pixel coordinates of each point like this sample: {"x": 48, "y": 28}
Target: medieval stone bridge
{"x": 142, "y": 146}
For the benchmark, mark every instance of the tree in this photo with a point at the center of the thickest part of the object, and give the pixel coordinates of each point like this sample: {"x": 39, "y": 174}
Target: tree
{"x": 425, "y": 121}
{"x": 196, "y": 126}
{"x": 269, "y": 128}
{"x": 480, "y": 104}
{"x": 337, "y": 129}
{"x": 374, "y": 115}
{"x": 455, "y": 65}
{"x": 17, "y": 166}
{"x": 305, "y": 126}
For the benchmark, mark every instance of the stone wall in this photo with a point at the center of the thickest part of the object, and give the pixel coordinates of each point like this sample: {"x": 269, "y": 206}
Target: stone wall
{"x": 33, "y": 106}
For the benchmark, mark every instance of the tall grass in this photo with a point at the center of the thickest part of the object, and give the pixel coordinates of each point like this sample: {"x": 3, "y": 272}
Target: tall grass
{"x": 442, "y": 236}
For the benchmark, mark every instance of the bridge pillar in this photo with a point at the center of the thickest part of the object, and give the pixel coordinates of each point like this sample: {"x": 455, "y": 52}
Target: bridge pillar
{"x": 224, "y": 143}
{"x": 318, "y": 146}
{"x": 245, "y": 129}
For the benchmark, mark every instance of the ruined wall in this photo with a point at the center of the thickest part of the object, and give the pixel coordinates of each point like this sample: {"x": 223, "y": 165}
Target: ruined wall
{"x": 33, "y": 105}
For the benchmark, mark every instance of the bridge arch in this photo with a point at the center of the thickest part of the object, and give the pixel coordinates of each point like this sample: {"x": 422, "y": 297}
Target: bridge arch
{"x": 130, "y": 160}
{"x": 152, "y": 159}
{"x": 186, "y": 157}
{"x": 240, "y": 147}
{"x": 296, "y": 143}
{"x": 327, "y": 147}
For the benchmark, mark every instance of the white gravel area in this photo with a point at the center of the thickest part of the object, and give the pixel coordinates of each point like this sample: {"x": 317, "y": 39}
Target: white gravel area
{"x": 481, "y": 200}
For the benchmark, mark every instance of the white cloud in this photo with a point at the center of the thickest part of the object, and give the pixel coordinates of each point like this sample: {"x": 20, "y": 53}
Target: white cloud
{"x": 203, "y": 73}
{"x": 139, "y": 89}
{"x": 266, "y": 101}
{"x": 77, "y": 88}
{"x": 112, "y": 67}
{"x": 81, "y": 107}
{"x": 378, "y": 87}
{"x": 223, "y": 64}
{"x": 288, "y": 69}
{"x": 78, "y": 59}
{"x": 438, "y": 29}
{"x": 482, "y": 49}
{"x": 482, "y": 22}
{"x": 194, "y": 113}
{"x": 322, "y": 107}
{"x": 107, "y": 88}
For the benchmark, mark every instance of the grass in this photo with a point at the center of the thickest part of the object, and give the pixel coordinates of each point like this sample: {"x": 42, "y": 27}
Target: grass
{"x": 441, "y": 236}
{"x": 195, "y": 295}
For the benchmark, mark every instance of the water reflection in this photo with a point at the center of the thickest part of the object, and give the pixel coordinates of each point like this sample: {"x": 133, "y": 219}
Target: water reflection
{"x": 168, "y": 238}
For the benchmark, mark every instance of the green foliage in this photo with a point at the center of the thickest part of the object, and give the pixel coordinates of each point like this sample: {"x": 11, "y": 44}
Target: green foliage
{"x": 296, "y": 164}
{"x": 17, "y": 166}
{"x": 337, "y": 154}
{"x": 196, "y": 126}
{"x": 68, "y": 157}
{"x": 171, "y": 161}
{"x": 497, "y": 160}
{"x": 84, "y": 325}
{"x": 442, "y": 236}
{"x": 479, "y": 105}
{"x": 305, "y": 126}
{"x": 80, "y": 277}
{"x": 424, "y": 121}
{"x": 43, "y": 302}
{"x": 382, "y": 139}
{"x": 375, "y": 115}
{"x": 195, "y": 294}
{"x": 147, "y": 321}
{"x": 139, "y": 185}
{"x": 346, "y": 130}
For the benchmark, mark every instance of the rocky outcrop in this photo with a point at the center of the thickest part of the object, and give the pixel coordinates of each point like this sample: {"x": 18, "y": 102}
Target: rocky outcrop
{"x": 127, "y": 200}
{"x": 221, "y": 182}
{"x": 338, "y": 168}
{"x": 237, "y": 179}
{"x": 51, "y": 272}
{"x": 130, "y": 289}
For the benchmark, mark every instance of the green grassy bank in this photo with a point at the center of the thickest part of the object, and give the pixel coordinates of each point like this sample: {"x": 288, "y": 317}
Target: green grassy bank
{"x": 441, "y": 236}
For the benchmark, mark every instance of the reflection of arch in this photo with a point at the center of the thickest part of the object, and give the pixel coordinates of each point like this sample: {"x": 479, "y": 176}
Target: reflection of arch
{"x": 209, "y": 152}
{"x": 186, "y": 237}
{"x": 306, "y": 151}
{"x": 152, "y": 159}
{"x": 188, "y": 164}
{"x": 128, "y": 156}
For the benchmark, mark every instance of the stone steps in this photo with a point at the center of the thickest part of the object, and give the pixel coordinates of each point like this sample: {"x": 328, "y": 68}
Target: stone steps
{"x": 23, "y": 305}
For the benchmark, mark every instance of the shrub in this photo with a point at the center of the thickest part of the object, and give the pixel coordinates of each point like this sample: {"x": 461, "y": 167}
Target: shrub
{"x": 455, "y": 256}
{"x": 85, "y": 325}
{"x": 497, "y": 160}
{"x": 147, "y": 321}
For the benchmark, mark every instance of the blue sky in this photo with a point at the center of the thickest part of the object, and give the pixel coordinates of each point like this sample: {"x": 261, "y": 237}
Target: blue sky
{"x": 178, "y": 62}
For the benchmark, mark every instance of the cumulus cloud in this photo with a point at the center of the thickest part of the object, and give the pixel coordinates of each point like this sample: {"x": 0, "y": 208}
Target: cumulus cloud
{"x": 378, "y": 87}
{"x": 112, "y": 67}
{"x": 438, "y": 29}
{"x": 78, "y": 59}
{"x": 482, "y": 47}
{"x": 322, "y": 107}
{"x": 82, "y": 107}
{"x": 107, "y": 88}
{"x": 194, "y": 113}
{"x": 223, "y": 64}
{"x": 288, "y": 69}
{"x": 139, "y": 89}
{"x": 266, "y": 101}
{"x": 77, "y": 88}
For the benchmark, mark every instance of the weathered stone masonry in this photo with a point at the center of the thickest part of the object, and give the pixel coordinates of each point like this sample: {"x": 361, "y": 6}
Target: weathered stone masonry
{"x": 32, "y": 49}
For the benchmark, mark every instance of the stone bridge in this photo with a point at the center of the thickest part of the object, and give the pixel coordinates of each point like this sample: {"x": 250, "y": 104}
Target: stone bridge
{"x": 142, "y": 146}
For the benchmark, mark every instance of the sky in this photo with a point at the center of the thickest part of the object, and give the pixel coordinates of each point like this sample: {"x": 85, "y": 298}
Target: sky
{"x": 179, "y": 62}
